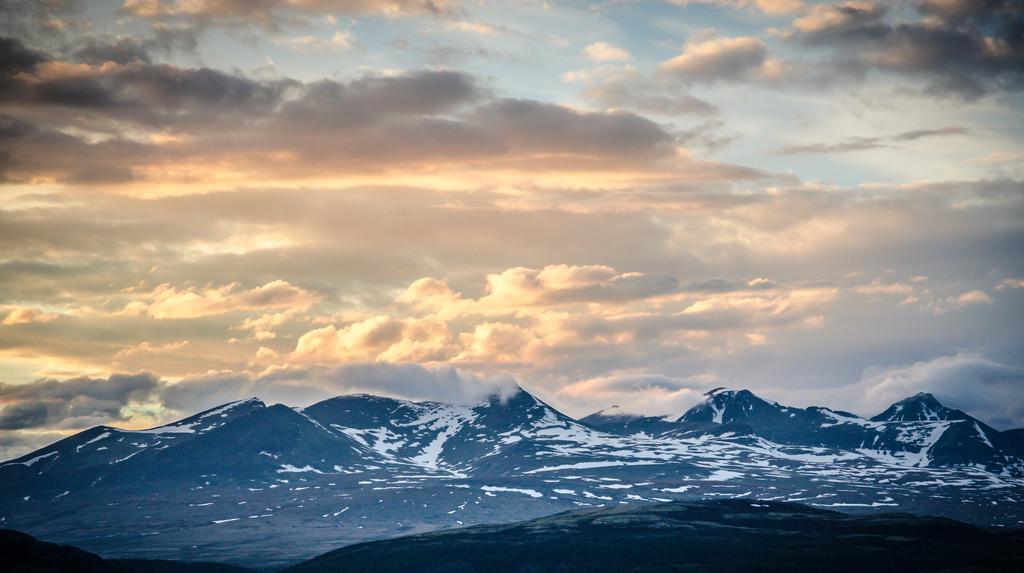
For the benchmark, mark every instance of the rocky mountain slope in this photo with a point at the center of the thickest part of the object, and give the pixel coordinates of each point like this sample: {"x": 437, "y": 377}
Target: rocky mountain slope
{"x": 711, "y": 536}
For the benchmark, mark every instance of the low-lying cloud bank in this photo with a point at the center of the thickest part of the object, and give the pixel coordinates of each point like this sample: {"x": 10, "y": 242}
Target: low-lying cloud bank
{"x": 991, "y": 391}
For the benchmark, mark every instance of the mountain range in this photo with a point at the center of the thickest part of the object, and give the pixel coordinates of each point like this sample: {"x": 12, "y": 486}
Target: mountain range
{"x": 263, "y": 485}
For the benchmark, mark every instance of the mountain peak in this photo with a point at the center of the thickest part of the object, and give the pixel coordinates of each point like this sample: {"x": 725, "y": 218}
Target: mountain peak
{"x": 921, "y": 407}
{"x": 209, "y": 419}
{"x": 724, "y": 405}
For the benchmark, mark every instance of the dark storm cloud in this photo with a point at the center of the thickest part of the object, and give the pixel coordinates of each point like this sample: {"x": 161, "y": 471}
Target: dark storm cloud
{"x": 961, "y": 48}
{"x": 50, "y": 402}
{"x": 15, "y": 57}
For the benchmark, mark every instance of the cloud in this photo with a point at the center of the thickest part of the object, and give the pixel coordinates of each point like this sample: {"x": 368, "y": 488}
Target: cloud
{"x": 457, "y": 329}
{"x": 568, "y": 283}
{"x": 96, "y": 49}
{"x": 263, "y": 327}
{"x": 535, "y": 127}
{"x": 16, "y": 443}
{"x": 340, "y": 40}
{"x": 605, "y": 52}
{"x": 847, "y": 21}
{"x": 147, "y": 348}
{"x": 273, "y": 13}
{"x": 629, "y": 89}
{"x": 1006, "y": 284}
{"x": 129, "y": 398}
{"x": 561, "y": 316}
{"x": 962, "y": 49}
{"x": 304, "y": 386}
{"x": 720, "y": 59}
{"x": 166, "y": 302}
{"x": 599, "y": 314}
{"x": 879, "y": 288}
{"x": 24, "y": 315}
{"x": 482, "y": 28}
{"x": 373, "y": 97}
{"x": 986, "y": 389}
{"x": 73, "y": 403}
{"x": 873, "y": 142}
{"x": 151, "y": 95}
{"x": 378, "y": 338}
{"x": 641, "y": 394}
{"x": 146, "y": 122}
{"x": 773, "y": 7}
{"x": 969, "y": 298}
{"x": 15, "y": 57}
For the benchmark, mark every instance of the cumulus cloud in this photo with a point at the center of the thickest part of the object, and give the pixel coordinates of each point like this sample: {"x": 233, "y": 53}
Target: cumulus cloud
{"x": 13, "y": 315}
{"x": 968, "y": 298}
{"x": 605, "y": 52}
{"x": 720, "y": 59}
{"x": 848, "y": 21}
{"x": 555, "y": 318}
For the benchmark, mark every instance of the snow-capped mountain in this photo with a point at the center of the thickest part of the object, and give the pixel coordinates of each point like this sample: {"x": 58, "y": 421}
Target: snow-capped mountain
{"x": 286, "y": 483}
{"x": 916, "y": 431}
{"x": 921, "y": 407}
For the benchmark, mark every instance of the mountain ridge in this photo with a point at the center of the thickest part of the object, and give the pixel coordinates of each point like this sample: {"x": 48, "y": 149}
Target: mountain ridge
{"x": 355, "y": 468}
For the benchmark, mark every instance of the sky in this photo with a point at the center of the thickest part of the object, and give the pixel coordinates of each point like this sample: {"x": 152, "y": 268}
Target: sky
{"x": 609, "y": 202}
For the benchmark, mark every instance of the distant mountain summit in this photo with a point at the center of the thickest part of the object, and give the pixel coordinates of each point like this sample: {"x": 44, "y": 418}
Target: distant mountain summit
{"x": 917, "y": 430}
{"x": 256, "y": 484}
{"x": 921, "y": 407}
